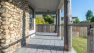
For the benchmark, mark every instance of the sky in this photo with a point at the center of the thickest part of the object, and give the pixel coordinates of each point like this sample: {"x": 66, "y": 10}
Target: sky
{"x": 80, "y": 7}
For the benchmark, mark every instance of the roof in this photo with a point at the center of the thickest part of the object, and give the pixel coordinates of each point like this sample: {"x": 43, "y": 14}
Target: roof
{"x": 45, "y": 6}
{"x": 72, "y": 18}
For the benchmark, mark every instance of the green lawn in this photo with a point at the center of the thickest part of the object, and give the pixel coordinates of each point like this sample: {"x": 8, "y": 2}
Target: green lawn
{"x": 80, "y": 44}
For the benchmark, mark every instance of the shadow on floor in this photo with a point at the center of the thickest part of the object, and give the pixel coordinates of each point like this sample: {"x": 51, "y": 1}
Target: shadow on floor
{"x": 46, "y": 39}
{"x": 45, "y": 47}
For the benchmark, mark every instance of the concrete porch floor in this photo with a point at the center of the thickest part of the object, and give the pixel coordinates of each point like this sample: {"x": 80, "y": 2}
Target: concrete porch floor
{"x": 44, "y": 44}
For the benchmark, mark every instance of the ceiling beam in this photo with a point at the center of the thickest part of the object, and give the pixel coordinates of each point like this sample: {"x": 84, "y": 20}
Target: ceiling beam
{"x": 45, "y": 12}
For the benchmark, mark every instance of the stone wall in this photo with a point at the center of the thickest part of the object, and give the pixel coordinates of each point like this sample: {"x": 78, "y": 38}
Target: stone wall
{"x": 14, "y": 25}
{"x": 2, "y": 29}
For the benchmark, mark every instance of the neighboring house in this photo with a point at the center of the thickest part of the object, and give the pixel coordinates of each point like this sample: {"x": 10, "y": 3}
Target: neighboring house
{"x": 84, "y": 21}
{"x": 62, "y": 19}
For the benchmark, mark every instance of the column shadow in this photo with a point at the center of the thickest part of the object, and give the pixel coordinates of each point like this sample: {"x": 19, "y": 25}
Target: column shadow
{"x": 23, "y": 40}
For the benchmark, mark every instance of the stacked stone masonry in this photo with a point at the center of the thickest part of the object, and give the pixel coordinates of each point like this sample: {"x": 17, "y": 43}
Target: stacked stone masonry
{"x": 12, "y": 23}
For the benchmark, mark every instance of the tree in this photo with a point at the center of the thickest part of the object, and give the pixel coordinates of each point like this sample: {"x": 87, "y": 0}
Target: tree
{"x": 49, "y": 19}
{"x": 40, "y": 20}
{"x": 92, "y": 20}
{"x": 89, "y": 15}
{"x": 76, "y": 20}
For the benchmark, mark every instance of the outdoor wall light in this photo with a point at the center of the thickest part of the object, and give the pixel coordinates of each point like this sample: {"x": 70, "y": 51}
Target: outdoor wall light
{"x": 2, "y": 10}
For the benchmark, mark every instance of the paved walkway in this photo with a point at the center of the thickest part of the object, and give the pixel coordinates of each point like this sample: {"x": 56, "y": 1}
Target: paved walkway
{"x": 43, "y": 44}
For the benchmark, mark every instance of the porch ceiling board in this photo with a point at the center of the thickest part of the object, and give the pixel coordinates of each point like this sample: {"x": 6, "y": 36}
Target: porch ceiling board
{"x": 46, "y": 5}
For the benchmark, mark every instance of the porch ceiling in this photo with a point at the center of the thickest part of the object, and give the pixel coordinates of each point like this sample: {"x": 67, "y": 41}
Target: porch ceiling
{"x": 44, "y": 6}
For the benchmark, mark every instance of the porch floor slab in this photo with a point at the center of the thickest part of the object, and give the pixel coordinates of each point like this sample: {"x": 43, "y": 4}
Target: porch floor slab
{"x": 44, "y": 44}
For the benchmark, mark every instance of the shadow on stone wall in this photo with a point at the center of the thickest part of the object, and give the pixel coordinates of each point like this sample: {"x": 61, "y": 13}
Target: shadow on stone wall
{"x": 23, "y": 41}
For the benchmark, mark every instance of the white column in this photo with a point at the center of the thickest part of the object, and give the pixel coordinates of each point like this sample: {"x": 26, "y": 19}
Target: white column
{"x": 61, "y": 35}
{"x": 59, "y": 23}
{"x": 56, "y": 26}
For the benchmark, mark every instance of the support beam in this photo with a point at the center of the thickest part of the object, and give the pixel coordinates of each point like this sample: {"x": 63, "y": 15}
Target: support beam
{"x": 56, "y": 26}
{"x": 67, "y": 29}
{"x": 46, "y": 12}
{"x": 59, "y": 22}
{"x": 60, "y": 25}
{"x": 58, "y": 18}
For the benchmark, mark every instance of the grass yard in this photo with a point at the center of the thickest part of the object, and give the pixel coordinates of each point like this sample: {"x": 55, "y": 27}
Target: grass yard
{"x": 80, "y": 44}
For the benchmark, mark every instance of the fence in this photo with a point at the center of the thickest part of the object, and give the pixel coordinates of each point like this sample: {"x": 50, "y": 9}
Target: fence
{"x": 90, "y": 35}
{"x": 45, "y": 28}
{"x": 77, "y": 30}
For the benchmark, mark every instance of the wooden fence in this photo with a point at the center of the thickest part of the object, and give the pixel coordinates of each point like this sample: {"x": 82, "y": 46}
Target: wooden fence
{"x": 77, "y": 30}
{"x": 45, "y": 28}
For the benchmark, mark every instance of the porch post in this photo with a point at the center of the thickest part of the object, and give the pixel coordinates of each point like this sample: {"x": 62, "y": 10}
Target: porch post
{"x": 90, "y": 39}
{"x": 67, "y": 29}
{"x": 59, "y": 23}
{"x": 34, "y": 16}
{"x": 56, "y": 26}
